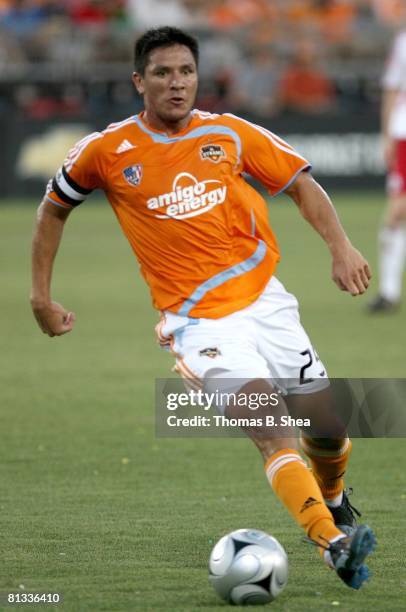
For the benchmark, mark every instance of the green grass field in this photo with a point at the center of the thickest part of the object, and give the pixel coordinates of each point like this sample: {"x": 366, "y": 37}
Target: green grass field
{"x": 94, "y": 506}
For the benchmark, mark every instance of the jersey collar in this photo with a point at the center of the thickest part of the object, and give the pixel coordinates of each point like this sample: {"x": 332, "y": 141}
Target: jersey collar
{"x": 192, "y": 123}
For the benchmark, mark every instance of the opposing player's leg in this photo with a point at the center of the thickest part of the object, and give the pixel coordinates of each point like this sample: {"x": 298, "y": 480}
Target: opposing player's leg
{"x": 392, "y": 253}
{"x": 392, "y": 238}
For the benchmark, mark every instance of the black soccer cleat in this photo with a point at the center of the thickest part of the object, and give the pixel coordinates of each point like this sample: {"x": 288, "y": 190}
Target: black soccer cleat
{"x": 344, "y": 515}
{"x": 382, "y": 305}
{"x": 349, "y": 553}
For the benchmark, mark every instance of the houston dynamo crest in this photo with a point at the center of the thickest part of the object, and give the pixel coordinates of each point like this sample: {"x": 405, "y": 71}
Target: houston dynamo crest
{"x": 212, "y": 152}
{"x": 133, "y": 174}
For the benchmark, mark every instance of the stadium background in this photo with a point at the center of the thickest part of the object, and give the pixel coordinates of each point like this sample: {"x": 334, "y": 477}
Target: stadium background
{"x": 308, "y": 69}
{"x": 93, "y": 505}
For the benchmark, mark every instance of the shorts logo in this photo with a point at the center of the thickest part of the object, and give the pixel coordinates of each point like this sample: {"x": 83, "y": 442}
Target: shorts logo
{"x": 310, "y": 501}
{"x": 133, "y": 174}
{"x": 210, "y": 352}
{"x": 188, "y": 198}
{"x": 212, "y": 152}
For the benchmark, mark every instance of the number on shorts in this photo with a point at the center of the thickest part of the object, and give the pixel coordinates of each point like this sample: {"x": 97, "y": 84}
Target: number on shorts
{"x": 303, "y": 379}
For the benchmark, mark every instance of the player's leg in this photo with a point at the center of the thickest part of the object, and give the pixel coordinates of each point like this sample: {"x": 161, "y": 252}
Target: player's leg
{"x": 392, "y": 238}
{"x": 228, "y": 348}
{"x": 298, "y": 490}
{"x": 328, "y": 449}
{"x": 329, "y": 459}
{"x": 294, "y": 363}
{"x": 287, "y": 473}
{"x": 222, "y": 354}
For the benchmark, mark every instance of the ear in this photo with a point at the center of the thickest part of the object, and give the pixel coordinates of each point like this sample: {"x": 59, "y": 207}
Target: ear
{"x": 138, "y": 81}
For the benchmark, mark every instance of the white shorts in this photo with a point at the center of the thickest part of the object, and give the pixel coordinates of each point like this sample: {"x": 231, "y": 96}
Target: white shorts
{"x": 264, "y": 340}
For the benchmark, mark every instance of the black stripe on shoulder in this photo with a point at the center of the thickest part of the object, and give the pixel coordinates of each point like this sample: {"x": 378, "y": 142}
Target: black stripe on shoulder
{"x": 61, "y": 194}
{"x": 73, "y": 184}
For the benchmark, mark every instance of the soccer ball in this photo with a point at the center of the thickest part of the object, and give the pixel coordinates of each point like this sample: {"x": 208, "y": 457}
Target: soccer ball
{"x": 248, "y": 567}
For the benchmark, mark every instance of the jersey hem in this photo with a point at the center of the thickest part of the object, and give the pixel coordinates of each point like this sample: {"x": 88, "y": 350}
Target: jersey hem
{"x": 217, "y": 312}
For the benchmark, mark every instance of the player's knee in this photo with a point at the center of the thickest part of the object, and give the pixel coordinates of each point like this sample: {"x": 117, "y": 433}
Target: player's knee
{"x": 396, "y": 213}
{"x": 326, "y": 443}
{"x": 269, "y": 447}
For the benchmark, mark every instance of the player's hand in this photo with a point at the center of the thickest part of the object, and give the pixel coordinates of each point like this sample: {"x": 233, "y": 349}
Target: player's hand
{"x": 351, "y": 271}
{"x": 53, "y": 319}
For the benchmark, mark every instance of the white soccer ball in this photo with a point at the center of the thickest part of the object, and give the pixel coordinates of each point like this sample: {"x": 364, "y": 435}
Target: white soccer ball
{"x": 248, "y": 567}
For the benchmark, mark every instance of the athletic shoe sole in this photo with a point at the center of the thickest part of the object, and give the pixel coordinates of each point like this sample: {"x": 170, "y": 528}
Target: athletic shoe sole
{"x": 353, "y": 572}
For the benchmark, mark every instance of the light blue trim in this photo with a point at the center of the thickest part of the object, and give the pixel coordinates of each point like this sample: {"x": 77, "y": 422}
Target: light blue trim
{"x": 196, "y": 133}
{"x": 222, "y": 277}
{"x": 178, "y": 336}
{"x": 178, "y": 333}
{"x": 292, "y": 180}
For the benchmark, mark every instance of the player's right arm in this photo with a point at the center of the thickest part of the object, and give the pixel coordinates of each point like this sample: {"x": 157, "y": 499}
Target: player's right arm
{"x": 51, "y": 317}
{"x": 80, "y": 173}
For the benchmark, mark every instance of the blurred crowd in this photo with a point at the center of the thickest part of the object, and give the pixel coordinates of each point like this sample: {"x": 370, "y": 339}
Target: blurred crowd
{"x": 265, "y": 57}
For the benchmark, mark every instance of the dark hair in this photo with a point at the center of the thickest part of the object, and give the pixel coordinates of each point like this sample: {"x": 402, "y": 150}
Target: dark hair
{"x": 162, "y": 37}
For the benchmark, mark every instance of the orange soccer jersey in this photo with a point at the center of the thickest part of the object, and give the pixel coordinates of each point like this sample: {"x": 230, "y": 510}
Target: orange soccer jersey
{"x": 199, "y": 231}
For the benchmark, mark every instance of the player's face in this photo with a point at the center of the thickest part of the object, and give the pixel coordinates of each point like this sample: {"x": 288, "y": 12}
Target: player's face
{"x": 169, "y": 86}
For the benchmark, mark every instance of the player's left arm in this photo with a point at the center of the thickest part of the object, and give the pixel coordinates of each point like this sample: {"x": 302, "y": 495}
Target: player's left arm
{"x": 350, "y": 270}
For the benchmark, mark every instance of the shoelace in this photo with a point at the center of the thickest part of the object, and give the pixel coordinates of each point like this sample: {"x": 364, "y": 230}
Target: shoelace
{"x": 308, "y": 540}
{"x": 349, "y": 492}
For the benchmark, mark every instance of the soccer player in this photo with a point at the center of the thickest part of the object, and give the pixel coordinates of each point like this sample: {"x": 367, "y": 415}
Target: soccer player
{"x": 392, "y": 236}
{"x": 174, "y": 178}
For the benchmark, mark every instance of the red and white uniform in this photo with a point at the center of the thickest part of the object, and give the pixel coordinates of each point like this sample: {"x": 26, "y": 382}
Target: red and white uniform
{"x": 395, "y": 80}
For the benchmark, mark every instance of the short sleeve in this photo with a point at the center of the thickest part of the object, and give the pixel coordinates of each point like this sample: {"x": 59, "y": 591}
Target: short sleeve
{"x": 267, "y": 157}
{"x": 79, "y": 174}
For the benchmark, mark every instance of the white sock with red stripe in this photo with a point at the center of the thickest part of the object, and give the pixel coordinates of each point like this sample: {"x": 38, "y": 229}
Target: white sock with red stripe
{"x": 392, "y": 253}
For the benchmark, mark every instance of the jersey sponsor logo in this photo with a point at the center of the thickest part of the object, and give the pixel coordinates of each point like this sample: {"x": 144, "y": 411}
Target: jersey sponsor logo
{"x": 189, "y": 197}
{"x": 212, "y": 152}
{"x": 133, "y": 174}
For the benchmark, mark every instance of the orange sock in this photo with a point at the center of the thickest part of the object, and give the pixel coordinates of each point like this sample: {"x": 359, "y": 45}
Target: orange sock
{"x": 328, "y": 465}
{"x": 298, "y": 490}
